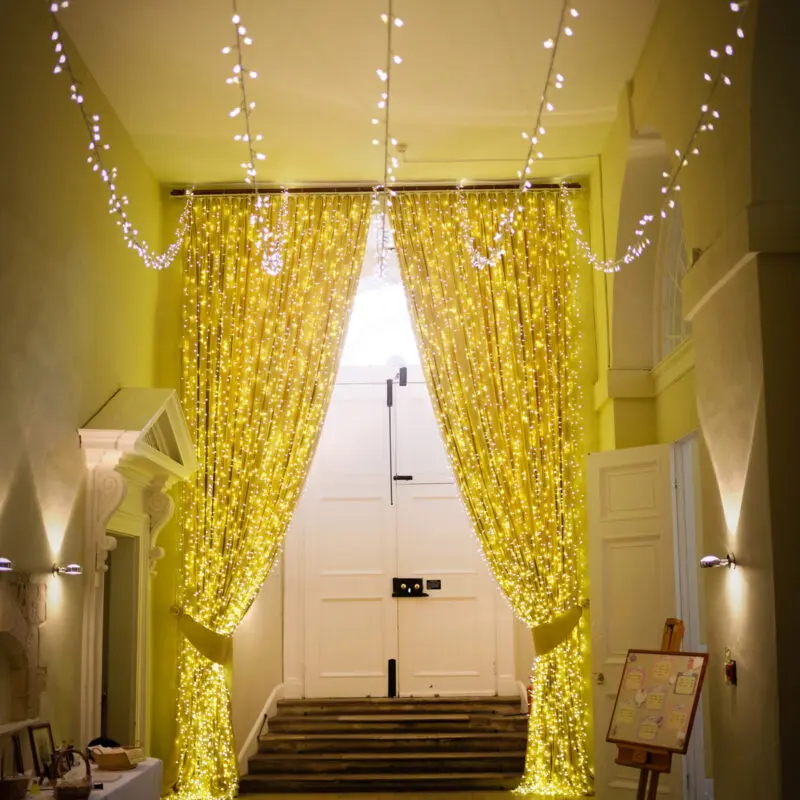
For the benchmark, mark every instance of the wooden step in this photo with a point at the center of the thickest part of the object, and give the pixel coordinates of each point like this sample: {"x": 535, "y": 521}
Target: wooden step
{"x": 326, "y": 723}
{"x": 385, "y": 705}
{"x": 387, "y": 763}
{"x": 506, "y": 741}
{"x": 378, "y": 782}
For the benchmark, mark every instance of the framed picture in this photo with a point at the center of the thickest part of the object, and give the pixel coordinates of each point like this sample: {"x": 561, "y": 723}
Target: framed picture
{"x": 42, "y": 746}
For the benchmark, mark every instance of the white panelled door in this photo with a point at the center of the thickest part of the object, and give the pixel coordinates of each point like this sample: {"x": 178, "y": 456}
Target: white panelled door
{"x": 632, "y": 575}
{"x": 445, "y": 640}
{"x": 362, "y": 528}
{"x": 351, "y": 618}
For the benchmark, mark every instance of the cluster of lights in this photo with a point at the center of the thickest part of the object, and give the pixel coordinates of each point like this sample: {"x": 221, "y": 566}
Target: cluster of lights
{"x": 270, "y": 244}
{"x": 382, "y": 197}
{"x": 517, "y": 461}
{"x": 715, "y": 76}
{"x": 259, "y": 359}
{"x": 96, "y": 159}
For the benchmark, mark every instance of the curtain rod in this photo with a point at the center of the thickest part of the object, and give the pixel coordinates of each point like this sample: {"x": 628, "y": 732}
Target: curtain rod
{"x": 369, "y": 189}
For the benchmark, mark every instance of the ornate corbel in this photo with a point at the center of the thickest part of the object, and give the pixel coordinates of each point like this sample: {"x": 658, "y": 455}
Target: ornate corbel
{"x": 160, "y": 507}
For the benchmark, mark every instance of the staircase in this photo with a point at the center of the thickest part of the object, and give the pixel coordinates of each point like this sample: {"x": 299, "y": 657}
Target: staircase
{"x": 390, "y": 745}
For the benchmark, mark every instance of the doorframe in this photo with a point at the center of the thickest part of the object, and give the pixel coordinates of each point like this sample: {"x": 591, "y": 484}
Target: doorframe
{"x": 687, "y": 598}
{"x": 294, "y": 594}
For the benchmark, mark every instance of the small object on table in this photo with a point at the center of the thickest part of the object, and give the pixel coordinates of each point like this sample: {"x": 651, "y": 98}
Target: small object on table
{"x": 112, "y": 759}
{"x": 71, "y": 787}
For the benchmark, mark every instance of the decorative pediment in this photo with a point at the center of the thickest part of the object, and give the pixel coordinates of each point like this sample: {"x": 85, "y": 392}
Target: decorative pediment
{"x": 141, "y": 425}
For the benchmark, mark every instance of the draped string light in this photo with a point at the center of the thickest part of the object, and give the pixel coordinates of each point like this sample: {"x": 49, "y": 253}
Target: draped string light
{"x": 716, "y": 76}
{"x": 495, "y": 250}
{"x": 270, "y": 244}
{"x": 97, "y": 159}
{"x": 382, "y": 196}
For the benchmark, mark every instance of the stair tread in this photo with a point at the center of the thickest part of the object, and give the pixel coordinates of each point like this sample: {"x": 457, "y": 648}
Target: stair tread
{"x": 271, "y": 737}
{"x": 372, "y": 776}
{"x": 334, "y": 701}
{"x": 370, "y": 756}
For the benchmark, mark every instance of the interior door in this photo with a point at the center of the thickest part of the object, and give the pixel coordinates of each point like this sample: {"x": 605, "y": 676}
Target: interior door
{"x": 446, "y": 640}
{"x": 351, "y": 617}
{"x": 632, "y": 574}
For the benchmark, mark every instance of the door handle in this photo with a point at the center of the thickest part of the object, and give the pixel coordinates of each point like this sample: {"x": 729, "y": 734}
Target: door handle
{"x": 404, "y": 477}
{"x": 600, "y": 679}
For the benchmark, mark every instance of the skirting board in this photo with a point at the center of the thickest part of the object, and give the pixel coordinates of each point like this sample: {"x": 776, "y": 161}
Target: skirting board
{"x": 250, "y": 746}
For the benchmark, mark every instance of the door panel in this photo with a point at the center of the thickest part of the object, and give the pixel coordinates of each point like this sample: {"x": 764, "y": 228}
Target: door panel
{"x": 351, "y": 618}
{"x": 446, "y": 640}
{"x": 632, "y": 573}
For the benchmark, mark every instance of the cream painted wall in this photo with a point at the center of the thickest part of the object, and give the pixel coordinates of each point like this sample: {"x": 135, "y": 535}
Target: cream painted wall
{"x": 676, "y": 410}
{"x": 76, "y": 323}
{"x": 257, "y": 656}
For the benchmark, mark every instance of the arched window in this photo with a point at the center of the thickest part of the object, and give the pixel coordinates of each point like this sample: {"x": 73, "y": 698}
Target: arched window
{"x": 672, "y": 263}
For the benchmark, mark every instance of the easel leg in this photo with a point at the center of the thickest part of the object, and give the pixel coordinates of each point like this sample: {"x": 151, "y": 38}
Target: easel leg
{"x": 654, "y": 776}
{"x": 641, "y": 793}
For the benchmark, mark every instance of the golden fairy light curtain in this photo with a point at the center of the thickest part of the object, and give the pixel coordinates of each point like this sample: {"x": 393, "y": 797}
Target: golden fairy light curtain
{"x": 259, "y": 360}
{"x": 499, "y": 349}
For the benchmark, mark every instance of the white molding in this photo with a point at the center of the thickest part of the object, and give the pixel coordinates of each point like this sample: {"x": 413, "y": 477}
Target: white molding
{"x": 250, "y": 746}
{"x": 623, "y": 384}
{"x": 126, "y": 493}
{"x": 672, "y": 368}
{"x": 762, "y": 228}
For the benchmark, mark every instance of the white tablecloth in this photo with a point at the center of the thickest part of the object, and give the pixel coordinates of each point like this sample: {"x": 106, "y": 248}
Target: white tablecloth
{"x": 141, "y": 783}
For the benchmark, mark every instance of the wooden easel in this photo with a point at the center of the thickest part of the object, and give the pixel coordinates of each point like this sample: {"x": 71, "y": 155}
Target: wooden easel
{"x": 653, "y": 763}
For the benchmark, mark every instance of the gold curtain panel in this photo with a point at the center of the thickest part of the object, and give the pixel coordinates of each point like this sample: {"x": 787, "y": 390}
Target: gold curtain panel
{"x": 500, "y": 353}
{"x": 259, "y": 360}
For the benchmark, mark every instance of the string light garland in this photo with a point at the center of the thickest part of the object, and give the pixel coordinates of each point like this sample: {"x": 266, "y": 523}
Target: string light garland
{"x": 716, "y": 76}
{"x": 382, "y": 197}
{"x": 97, "y": 159}
{"x": 270, "y": 244}
{"x": 495, "y": 249}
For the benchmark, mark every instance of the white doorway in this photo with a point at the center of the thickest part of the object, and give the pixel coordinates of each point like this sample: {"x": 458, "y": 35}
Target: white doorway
{"x": 381, "y": 503}
{"x": 644, "y": 543}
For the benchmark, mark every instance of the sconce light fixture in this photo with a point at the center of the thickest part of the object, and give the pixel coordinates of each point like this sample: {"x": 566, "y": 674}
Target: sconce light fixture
{"x": 6, "y": 565}
{"x": 67, "y": 569}
{"x": 706, "y": 562}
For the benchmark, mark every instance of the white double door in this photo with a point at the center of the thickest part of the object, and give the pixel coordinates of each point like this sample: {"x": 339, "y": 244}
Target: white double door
{"x": 363, "y": 525}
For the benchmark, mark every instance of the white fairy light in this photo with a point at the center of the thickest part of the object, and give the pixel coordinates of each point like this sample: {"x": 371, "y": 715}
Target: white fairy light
{"x": 108, "y": 174}
{"x": 705, "y": 124}
{"x": 382, "y": 195}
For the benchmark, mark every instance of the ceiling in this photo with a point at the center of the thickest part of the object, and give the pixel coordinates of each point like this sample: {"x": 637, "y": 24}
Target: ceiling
{"x": 470, "y": 82}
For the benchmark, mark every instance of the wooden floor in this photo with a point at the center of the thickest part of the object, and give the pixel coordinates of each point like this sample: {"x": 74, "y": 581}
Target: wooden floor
{"x": 391, "y": 796}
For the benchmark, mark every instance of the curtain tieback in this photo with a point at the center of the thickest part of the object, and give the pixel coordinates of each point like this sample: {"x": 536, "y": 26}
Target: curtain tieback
{"x": 216, "y": 647}
{"x": 550, "y": 635}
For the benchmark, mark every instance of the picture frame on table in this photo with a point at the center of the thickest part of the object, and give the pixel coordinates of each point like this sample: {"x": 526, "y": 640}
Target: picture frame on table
{"x": 42, "y": 746}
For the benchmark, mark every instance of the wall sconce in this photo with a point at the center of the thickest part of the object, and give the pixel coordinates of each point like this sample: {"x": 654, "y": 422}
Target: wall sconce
{"x": 706, "y": 562}
{"x": 6, "y": 565}
{"x": 68, "y": 569}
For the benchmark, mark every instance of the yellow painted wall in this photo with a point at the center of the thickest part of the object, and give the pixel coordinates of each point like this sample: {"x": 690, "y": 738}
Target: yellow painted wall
{"x": 676, "y": 410}
{"x": 76, "y": 323}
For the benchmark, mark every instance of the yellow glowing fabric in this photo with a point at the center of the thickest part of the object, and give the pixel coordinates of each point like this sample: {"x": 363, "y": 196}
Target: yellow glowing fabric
{"x": 259, "y": 361}
{"x": 500, "y": 353}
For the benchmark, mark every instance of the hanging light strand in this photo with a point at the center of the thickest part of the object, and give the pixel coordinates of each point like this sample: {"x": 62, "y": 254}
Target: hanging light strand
{"x": 716, "y": 76}
{"x": 507, "y": 219}
{"x": 96, "y": 159}
{"x": 270, "y": 244}
{"x": 382, "y": 197}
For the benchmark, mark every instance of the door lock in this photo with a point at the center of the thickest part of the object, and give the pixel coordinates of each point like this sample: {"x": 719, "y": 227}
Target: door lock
{"x": 408, "y": 587}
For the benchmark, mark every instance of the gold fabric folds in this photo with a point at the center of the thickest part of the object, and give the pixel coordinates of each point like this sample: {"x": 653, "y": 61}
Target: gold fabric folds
{"x": 259, "y": 361}
{"x": 500, "y": 353}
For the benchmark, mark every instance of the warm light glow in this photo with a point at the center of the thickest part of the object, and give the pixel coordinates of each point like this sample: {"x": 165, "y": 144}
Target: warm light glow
{"x": 259, "y": 359}
{"x": 500, "y": 352}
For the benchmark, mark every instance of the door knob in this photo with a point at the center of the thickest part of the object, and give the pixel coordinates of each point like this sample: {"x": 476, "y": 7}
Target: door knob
{"x": 601, "y": 679}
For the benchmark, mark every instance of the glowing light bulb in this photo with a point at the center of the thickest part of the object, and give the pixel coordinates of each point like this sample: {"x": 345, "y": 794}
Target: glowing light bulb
{"x": 226, "y": 50}
{"x": 568, "y": 31}
{"x": 574, "y": 13}
{"x": 740, "y": 33}
{"x": 253, "y": 74}
{"x": 375, "y": 121}
{"x": 375, "y": 141}
{"x": 524, "y": 135}
{"x": 542, "y": 131}
{"x": 714, "y": 53}
{"x": 728, "y": 49}
{"x": 236, "y": 111}
{"x": 236, "y": 19}
{"x": 549, "y": 106}
{"x": 398, "y": 22}
{"x": 384, "y": 17}
{"x": 548, "y": 44}
{"x": 397, "y": 59}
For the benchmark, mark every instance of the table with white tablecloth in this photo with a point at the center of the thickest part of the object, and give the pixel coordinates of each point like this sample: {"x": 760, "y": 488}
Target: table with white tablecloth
{"x": 143, "y": 782}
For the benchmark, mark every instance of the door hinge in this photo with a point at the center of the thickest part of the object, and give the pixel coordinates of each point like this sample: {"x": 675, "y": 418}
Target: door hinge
{"x": 389, "y": 392}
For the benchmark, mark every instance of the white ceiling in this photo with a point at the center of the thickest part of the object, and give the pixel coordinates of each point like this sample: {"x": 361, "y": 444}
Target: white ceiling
{"x": 470, "y": 82}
